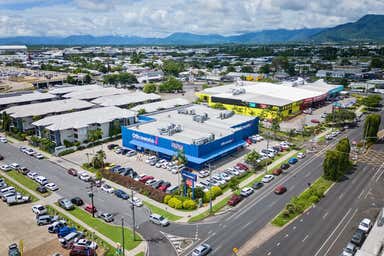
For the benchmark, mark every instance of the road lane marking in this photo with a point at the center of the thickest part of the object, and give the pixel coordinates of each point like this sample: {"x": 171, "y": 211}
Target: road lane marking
{"x": 329, "y": 237}
{"x": 269, "y": 253}
{"x": 294, "y": 227}
{"x": 378, "y": 177}
{"x": 278, "y": 244}
{"x": 305, "y": 238}
{"x": 361, "y": 194}
{"x": 286, "y": 235}
{"x": 341, "y": 195}
{"x": 342, "y": 230}
{"x": 325, "y": 215}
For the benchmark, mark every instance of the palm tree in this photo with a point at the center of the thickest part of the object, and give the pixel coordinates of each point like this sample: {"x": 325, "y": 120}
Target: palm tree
{"x": 98, "y": 159}
{"x": 6, "y": 121}
{"x": 181, "y": 158}
{"x": 94, "y": 135}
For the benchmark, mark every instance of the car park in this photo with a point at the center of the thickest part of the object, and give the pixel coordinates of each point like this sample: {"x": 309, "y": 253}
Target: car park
{"x": 365, "y": 225}
{"x": 72, "y": 172}
{"x": 257, "y": 185}
{"x": 300, "y": 155}
{"x": 87, "y": 243}
{"x": 247, "y": 191}
{"x": 277, "y": 172}
{"x": 358, "y": 237}
{"x": 349, "y": 250}
{"x": 280, "y": 189}
{"x": 158, "y": 219}
{"x": 234, "y": 200}
{"x": 202, "y": 250}
{"x": 267, "y": 178}
{"x": 51, "y": 186}
{"x": 39, "y": 209}
{"x": 121, "y": 194}
{"x": 107, "y": 217}
{"x": 77, "y": 201}
{"x": 107, "y": 188}
{"x": 84, "y": 176}
{"x": 90, "y": 208}
{"x": 65, "y": 204}
{"x": 5, "y": 167}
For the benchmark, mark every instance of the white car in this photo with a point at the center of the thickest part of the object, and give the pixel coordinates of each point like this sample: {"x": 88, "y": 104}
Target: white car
{"x": 160, "y": 163}
{"x": 175, "y": 170}
{"x": 39, "y": 209}
{"x": 6, "y": 167}
{"x": 247, "y": 191}
{"x": 51, "y": 186}
{"x": 203, "y": 174}
{"x": 14, "y": 165}
{"x": 3, "y": 140}
{"x": 135, "y": 201}
{"x": 32, "y": 175}
{"x": 86, "y": 243}
{"x": 258, "y": 137}
{"x": 300, "y": 155}
{"x": 267, "y": 178}
{"x": 29, "y": 152}
{"x": 84, "y": 176}
{"x": 39, "y": 156}
{"x": 150, "y": 159}
{"x": 107, "y": 188}
{"x": 225, "y": 176}
{"x": 365, "y": 225}
{"x": 150, "y": 182}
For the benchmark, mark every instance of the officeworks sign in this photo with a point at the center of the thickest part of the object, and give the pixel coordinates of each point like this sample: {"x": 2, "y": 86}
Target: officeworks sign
{"x": 151, "y": 140}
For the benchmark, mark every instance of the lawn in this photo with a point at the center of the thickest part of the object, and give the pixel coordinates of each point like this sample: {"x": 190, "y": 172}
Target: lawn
{"x": 305, "y": 200}
{"x": 215, "y": 208}
{"x": 19, "y": 189}
{"x": 111, "y": 231}
{"x": 31, "y": 184}
{"x": 164, "y": 213}
{"x": 140, "y": 254}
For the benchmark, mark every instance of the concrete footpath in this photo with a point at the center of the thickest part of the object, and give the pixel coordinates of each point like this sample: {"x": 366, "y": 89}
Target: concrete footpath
{"x": 52, "y": 199}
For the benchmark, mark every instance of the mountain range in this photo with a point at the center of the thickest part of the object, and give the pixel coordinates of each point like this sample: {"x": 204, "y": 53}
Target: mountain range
{"x": 369, "y": 28}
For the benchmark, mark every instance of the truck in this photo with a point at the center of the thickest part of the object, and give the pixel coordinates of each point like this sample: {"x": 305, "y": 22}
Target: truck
{"x": 18, "y": 199}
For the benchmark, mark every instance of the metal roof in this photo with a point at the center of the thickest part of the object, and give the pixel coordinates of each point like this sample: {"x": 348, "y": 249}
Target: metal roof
{"x": 126, "y": 99}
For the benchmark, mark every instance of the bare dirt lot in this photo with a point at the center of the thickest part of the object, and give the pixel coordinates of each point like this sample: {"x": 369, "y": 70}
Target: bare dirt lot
{"x": 18, "y": 223}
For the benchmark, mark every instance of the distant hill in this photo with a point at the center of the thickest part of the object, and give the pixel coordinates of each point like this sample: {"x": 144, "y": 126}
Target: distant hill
{"x": 368, "y": 28}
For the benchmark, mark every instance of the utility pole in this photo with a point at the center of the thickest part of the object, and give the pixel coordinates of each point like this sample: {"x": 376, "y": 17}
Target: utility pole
{"x": 122, "y": 235}
{"x": 91, "y": 195}
{"x": 133, "y": 217}
{"x": 210, "y": 189}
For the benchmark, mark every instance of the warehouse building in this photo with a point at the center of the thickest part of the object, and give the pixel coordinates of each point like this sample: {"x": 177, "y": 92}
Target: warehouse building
{"x": 26, "y": 98}
{"x": 75, "y": 127}
{"x": 161, "y": 105}
{"x": 268, "y": 100}
{"x": 127, "y": 100}
{"x": 23, "y": 116}
{"x": 202, "y": 133}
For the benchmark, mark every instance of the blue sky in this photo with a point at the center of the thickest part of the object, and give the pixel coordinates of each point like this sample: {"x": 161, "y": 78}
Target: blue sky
{"x": 163, "y": 17}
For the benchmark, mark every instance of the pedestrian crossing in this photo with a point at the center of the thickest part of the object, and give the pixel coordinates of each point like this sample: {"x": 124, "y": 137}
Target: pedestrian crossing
{"x": 179, "y": 243}
{"x": 372, "y": 157}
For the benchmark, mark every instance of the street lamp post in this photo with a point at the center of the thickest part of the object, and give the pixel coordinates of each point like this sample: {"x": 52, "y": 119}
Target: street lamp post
{"x": 91, "y": 195}
{"x": 133, "y": 217}
{"x": 122, "y": 235}
{"x": 210, "y": 189}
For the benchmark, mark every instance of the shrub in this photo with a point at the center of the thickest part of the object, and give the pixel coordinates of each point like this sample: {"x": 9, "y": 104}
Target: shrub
{"x": 189, "y": 204}
{"x": 167, "y": 198}
{"x": 206, "y": 197}
{"x": 175, "y": 203}
{"x": 314, "y": 199}
{"x": 216, "y": 191}
{"x": 66, "y": 152}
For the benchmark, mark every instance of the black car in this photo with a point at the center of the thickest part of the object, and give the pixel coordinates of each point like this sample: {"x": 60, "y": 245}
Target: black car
{"x": 157, "y": 184}
{"x": 41, "y": 189}
{"x": 13, "y": 250}
{"x": 284, "y": 166}
{"x": 358, "y": 237}
{"x": 1, "y": 157}
{"x": 77, "y": 201}
{"x": 121, "y": 194}
{"x": 111, "y": 146}
{"x": 257, "y": 185}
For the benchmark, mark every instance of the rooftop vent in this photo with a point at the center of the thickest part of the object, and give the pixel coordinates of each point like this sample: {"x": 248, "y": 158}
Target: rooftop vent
{"x": 200, "y": 118}
{"x": 186, "y": 111}
{"x": 226, "y": 114}
{"x": 238, "y": 91}
{"x": 170, "y": 129}
{"x": 204, "y": 140}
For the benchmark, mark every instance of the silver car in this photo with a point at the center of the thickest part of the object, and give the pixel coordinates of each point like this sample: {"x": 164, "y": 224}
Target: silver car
{"x": 201, "y": 250}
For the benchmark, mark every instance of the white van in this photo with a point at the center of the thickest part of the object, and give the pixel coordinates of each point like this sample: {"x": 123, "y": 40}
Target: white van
{"x": 7, "y": 190}
{"x": 70, "y": 238}
{"x": 172, "y": 189}
{"x": 41, "y": 180}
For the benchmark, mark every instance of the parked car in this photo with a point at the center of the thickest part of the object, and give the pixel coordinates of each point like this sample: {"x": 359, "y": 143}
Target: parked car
{"x": 41, "y": 189}
{"x": 87, "y": 243}
{"x": 284, "y": 166}
{"x": 315, "y": 121}
{"x": 64, "y": 231}
{"x": 84, "y": 177}
{"x": 247, "y": 191}
{"x": 280, "y": 189}
{"x": 242, "y": 166}
{"x": 107, "y": 188}
{"x": 1, "y": 157}
{"x": 51, "y": 186}
{"x": 56, "y": 226}
{"x": 39, "y": 209}
{"x": 107, "y": 217}
{"x": 158, "y": 219}
{"x": 77, "y": 201}
{"x": 358, "y": 237}
{"x": 121, "y": 194}
{"x": 365, "y": 225}
{"x": 349, "y": 250}
{"x": 38, "y": 156}
{"x": 14, "y": 165}
{"x": 164, "y": 186}
{"x": 65, "y": 204}
{"x": 145, "y": 178}
{"x": 3, "y": 140}
{"x": 112, "y": 146}
{"x": 300, "y": 155}
{"x": 13, "y": 250}
{"x": 23, "y": 170}
{"x": 5, "y": 167}
{"x": 203, "y": 174}
{"x": 202, "y": 250}
{"x": 292, "y": 160}
{"x": 41, "y": 180}
{"x": 234, "y": 200}
{"x": 277, "y": 172}
{"x": 136, "y": 201}
{"x": 267, "y": 178}
{"x": 72, "y": 172}
{"x": 43, "y": 220}
{"x": 89, "y": 208}
{"x": 257, "y": 185}
{"x": 78, "y": 250}
{"x": 32, "y": 175}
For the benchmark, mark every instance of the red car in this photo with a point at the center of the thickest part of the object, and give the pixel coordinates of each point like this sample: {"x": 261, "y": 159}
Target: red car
{"x": 72, "y": 172}
{"x": 280, "y": 189}
{"x": 146, "y": 178}
{"x": 242, "y": 166}
{"x": 315, "y": 121}
{"x": 78, "y": 250}
{"x": 164, "y": 186}
{"x": 277, "y": 172}
{"x": 89, "y": 208}
{"x": 234, "y": 200}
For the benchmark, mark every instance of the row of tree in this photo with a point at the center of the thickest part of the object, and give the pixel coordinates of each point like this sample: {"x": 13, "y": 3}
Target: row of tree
{"x": 371, "y": 127}
{"x": 170, "y": 85}
{"x": 336, "y": 162}
{"x": 121, "y": 78}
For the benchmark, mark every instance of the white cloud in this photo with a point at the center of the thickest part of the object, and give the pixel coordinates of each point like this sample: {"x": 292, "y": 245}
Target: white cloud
{"x": 160, "y": 18}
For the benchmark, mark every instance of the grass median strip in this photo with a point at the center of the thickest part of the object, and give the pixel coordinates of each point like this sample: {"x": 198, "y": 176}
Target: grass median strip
{"x": 113, "y": 232}
{"x": 164, "y": 213}
{"x": 31, "y": 184}
{"x": 215, "y": 208}
{"x": 18, "y": 188}
{"x": 299, "y": 204}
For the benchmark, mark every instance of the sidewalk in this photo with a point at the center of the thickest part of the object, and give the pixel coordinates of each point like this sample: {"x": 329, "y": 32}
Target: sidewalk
{"x": 142, "y": 247}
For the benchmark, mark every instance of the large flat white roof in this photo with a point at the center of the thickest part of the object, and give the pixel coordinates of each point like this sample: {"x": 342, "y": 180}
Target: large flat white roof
{"x": 261, "y": 92}
{"x": 160, "y": 105}
{"x": 83, "y": 118}
{"x": 28, "y": 97}
{"x": 125, "y": 99}
{"x": 50, "y": 107}
{"x": 94, "y": 93}
{"x": 192, "y": 130}
{"x": 68, "y": 89}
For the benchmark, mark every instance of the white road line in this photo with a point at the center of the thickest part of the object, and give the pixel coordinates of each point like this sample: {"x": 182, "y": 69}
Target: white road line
{"x": 269, "y": 253}
{"x": 329, "y": 237}
{"x": 325, "y": 215}
{"x": 366, "y": 195}
{"x": 341, "y": 195}
{"x": 378, "y": 177}
{"x": 307, "y": 175}
{"x": 294, "y": 227}
{"x": 305, "y": 238}
{"x": 286, "y": 235}
{"x": 342, "y": 230}
{"x": 278, "y": 244}
{"x": 361, "y": 194}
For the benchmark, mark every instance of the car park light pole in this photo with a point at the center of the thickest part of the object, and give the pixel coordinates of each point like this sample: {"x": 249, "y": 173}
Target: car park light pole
{"x": 91, "y": 195}
{"x": 122, "y": 236}
{"x": 133, "y": 217}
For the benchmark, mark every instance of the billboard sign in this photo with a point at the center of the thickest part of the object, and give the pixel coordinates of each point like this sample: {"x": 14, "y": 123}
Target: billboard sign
{"x": 188, "y": 175}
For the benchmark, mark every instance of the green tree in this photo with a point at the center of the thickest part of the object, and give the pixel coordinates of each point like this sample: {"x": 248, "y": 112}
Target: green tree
{"x": 234, "y": 184}
{"x": 99, "y": 175}
{"x": 265, "y": 69}
{"x": 372, "y": 101}
{"x": 377, "y": 62}
{"x": 246, "y": 69}
{"x": 280, "y": 62}
{"x": 149, "y": 88}
{"x": 333, "y": 165}
{"x": 6, "y": 121}
{"x": 136, "y": 57}
{"x": 173, "y": 68}
{"x": 181, "y": 158}
{"x": 171, "y": 85}
{"x": 98, "y": 159}
{"x": 251, "y": 158}
{"x": 340, "y": 116}
{"x": 94, "y": 135}
{"x": 231, "y": 69}
{"x": 371, "y": 127}
{"x": 141, "y": 111}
